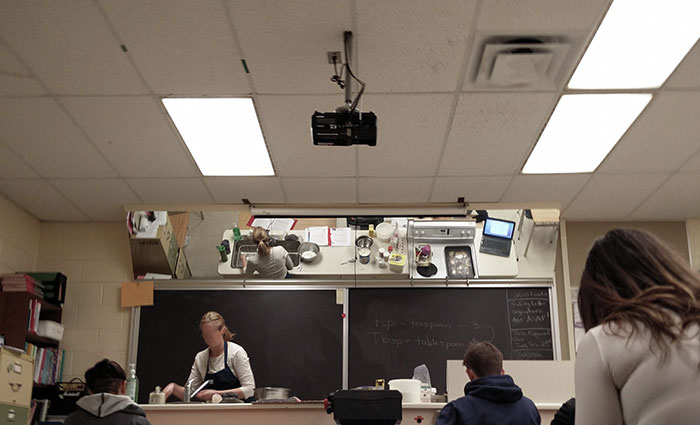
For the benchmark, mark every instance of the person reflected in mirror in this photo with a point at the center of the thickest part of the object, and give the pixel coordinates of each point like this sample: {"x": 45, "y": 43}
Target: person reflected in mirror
{"x": 639, "y": 361}
{"x": 490, "y": 397}
{"x": 223, "y": 361}
{"x": 566, "y": 413}
{"x": 270, "y": 262}
{"x": 106, "y": 403}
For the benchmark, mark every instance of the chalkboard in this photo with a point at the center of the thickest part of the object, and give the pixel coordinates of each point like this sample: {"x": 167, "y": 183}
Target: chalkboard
{"x": 394, "y": 330}
{"x": 293, "y": 337}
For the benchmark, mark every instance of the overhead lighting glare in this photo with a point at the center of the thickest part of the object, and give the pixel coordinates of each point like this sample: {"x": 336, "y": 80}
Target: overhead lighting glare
{"x": 582, "y": 130}
{"x": 223, "y": 135}
{"x": 638, "y": 44}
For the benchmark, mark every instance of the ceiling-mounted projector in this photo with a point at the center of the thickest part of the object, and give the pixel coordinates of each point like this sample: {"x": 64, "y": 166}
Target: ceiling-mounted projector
{"x": 347, "y": 125}
{"x": 344, "y": 128}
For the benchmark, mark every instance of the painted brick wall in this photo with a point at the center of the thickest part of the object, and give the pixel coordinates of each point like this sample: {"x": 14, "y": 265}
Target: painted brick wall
{"x": 96, "y": 259}
{"x": 19, "y": 238}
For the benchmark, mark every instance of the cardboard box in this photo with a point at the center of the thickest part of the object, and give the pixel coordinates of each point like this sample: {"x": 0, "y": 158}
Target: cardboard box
{"x": 16, "y": 373}
{"x": 50, "y": 329}
{"x": 155, "y": 255}
{"x": 182, "y": 269}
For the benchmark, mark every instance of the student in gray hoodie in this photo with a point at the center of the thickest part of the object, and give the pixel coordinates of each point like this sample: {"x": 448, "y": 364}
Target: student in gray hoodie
{"x": 106, "y": 404}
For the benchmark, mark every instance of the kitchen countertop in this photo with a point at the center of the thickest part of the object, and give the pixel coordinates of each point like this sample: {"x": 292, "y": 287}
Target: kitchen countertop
{"x": 332, "y": 261}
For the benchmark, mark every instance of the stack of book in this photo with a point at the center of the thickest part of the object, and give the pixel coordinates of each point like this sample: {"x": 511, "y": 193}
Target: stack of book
{"x": 20, "y": 282}
{"x": 48, "y": 363}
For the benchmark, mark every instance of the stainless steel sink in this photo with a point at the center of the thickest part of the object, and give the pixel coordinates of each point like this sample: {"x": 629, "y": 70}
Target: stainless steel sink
{"x": 249, "y": 246}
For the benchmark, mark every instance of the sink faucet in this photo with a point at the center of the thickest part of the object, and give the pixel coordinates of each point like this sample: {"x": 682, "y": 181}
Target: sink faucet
{"x": 189, "y": 394}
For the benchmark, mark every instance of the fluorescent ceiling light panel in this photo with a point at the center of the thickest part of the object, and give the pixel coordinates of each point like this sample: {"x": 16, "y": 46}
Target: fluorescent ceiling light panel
{"x": 582, "y": 130}
{"x": 223, "y": 135}
{"x": 638, "y": 44}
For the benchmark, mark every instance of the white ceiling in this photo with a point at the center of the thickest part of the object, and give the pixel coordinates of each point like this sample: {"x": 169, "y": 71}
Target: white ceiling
{"x": 83, "y": 131}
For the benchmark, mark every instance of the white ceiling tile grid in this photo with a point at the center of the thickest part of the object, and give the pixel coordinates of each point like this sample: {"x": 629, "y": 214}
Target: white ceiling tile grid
{"x": 12, "y": 166}
{"x": 181, "y": 47}
{"x": 663, "y": 138}
{"x": 171, "y": 191}
{"x": 100, "y": 200}
{"x": 677, "y": 199}
{"x": 41, "y": 199}
{"x": 492, "y": 133}
{"x": 410, "y": 131}
{"x": 43, "y": 135}
{"x": 320, "y": 190}
{"x": 394, "y": 190}
{"x": 285, "y": 43}
{"x": 412, "y": 46}
{"x": 15, "y": 78}
{"x": 69, "y": 46}
{"x": 472, "y": 189}
{"x": 134, "y": 134}
{"x": 545, "y": 188}
{"x": 286, "y": 122}
{"x": 258, "y": 190}
{"x": 612, "y": 197}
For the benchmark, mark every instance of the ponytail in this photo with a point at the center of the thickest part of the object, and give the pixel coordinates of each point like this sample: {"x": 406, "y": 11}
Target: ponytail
{"x": 261, "y": 237}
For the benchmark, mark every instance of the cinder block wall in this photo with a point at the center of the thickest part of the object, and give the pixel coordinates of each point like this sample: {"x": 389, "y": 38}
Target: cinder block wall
{"x": 19, "y": 238}
{"x": 96, "y": 259}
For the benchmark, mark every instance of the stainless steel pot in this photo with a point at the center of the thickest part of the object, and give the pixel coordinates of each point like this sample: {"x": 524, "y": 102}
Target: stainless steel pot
{"x": 272, "y": 393}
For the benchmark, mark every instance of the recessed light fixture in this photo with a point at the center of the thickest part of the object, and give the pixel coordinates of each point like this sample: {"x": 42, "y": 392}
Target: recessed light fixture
{"x": 639, "y": 44}
{"x": 582, "y": 130}
{"x": 222, "y": 134}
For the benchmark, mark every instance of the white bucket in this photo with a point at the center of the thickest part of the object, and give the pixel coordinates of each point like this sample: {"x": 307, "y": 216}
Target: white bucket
{"x": 409, "y": 388}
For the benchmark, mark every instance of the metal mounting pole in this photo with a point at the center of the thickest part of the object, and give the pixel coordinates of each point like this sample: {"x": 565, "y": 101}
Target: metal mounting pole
{"x": 347, "y": 39}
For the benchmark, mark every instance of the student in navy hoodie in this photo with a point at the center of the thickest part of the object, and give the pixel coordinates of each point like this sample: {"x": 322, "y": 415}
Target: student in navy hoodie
{"x": 491, "y": 396}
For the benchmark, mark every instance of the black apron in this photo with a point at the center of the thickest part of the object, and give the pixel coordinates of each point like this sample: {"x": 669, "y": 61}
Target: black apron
{"x": 224, "y": 379}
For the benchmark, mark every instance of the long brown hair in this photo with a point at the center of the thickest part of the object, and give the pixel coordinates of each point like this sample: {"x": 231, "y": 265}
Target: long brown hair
{"x": 260, "y": 236}
{"x": 632, "y": 280}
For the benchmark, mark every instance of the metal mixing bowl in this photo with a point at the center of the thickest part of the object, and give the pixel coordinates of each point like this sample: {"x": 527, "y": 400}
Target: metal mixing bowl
{"x": 311, "y": 248}
{"x": 364, "y": 242}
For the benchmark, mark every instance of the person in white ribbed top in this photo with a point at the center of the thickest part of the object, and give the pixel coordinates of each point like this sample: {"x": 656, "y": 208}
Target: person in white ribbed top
{"x": 270, "y": 263}
{"x": 639, "y": 362}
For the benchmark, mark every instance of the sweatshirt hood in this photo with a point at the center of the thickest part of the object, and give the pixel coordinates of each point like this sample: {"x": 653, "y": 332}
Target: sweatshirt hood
{"x": 495, "y": 388}
{"x": 104, "y": 404}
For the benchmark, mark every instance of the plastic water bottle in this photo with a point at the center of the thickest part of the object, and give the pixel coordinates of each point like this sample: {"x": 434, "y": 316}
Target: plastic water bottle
{"x": 132, "y": 383}
{"x": 236, "y": 233}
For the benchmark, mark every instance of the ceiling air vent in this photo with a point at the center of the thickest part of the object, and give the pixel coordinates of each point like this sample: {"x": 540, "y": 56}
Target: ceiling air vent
{"x": 520, "y": 63}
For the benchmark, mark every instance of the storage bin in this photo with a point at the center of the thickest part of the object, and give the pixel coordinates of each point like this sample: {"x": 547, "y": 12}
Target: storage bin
{"x": 50, "y": 329}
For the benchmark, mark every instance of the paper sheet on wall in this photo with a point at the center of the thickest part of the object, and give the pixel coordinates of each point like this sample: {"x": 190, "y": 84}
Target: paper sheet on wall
{"x": 341, "y": 236}
{"x": 135, "y": 294}
{"x": 320, "y": 235}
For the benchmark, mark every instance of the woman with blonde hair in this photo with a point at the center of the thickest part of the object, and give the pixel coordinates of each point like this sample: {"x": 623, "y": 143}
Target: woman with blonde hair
{"x": 270, "y": 262}
{"x": 639, "y": 362}
{"x": 223, "y": 361}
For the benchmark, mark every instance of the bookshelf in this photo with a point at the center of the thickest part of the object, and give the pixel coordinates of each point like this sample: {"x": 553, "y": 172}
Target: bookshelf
{"x": 14, "y": 316}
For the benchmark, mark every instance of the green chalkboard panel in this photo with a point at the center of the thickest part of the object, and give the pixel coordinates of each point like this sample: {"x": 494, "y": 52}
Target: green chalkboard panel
{"x": 394, "y": 330}
{"x": 293, "y": 337}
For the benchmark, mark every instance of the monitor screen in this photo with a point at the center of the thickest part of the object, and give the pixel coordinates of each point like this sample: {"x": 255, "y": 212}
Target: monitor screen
{"x": 499, "y": 228}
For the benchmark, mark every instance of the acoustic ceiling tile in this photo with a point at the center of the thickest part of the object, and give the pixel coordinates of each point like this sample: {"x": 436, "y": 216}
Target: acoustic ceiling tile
{"x": 15, "y": 78}
{"x": 472, "y": 188}
{"x": 41, "y": 199}
{"x": 686, "y": 74}
{"x": 395, "y": 190}
{"x": 171, "y": 191}
{"x": 320, "y": 190}
{"x": 543, "y": 16}
{"x": 43, "y": 135}
{"x": 409, "y": 46}
{"x": 676, "y": 199}
{"x": 133, "y": 133}
{"x": 410, "y": 130}
{"x": 662, "y": 139}
{"x": 12, "y": 166}
{"x": 230, "y": 190}
{"x": 286, "y": 124}
{"x": 69, "y": 46}
{"x": 285, "y": 43}
{"x": 492, "y": 133}
{"x": 545, "y": 188}
{"x": 180, "y": 47}
{"x": 693, "y": 164}
{"x": 101, "y": 200}
{"x": 612, "y": 196}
